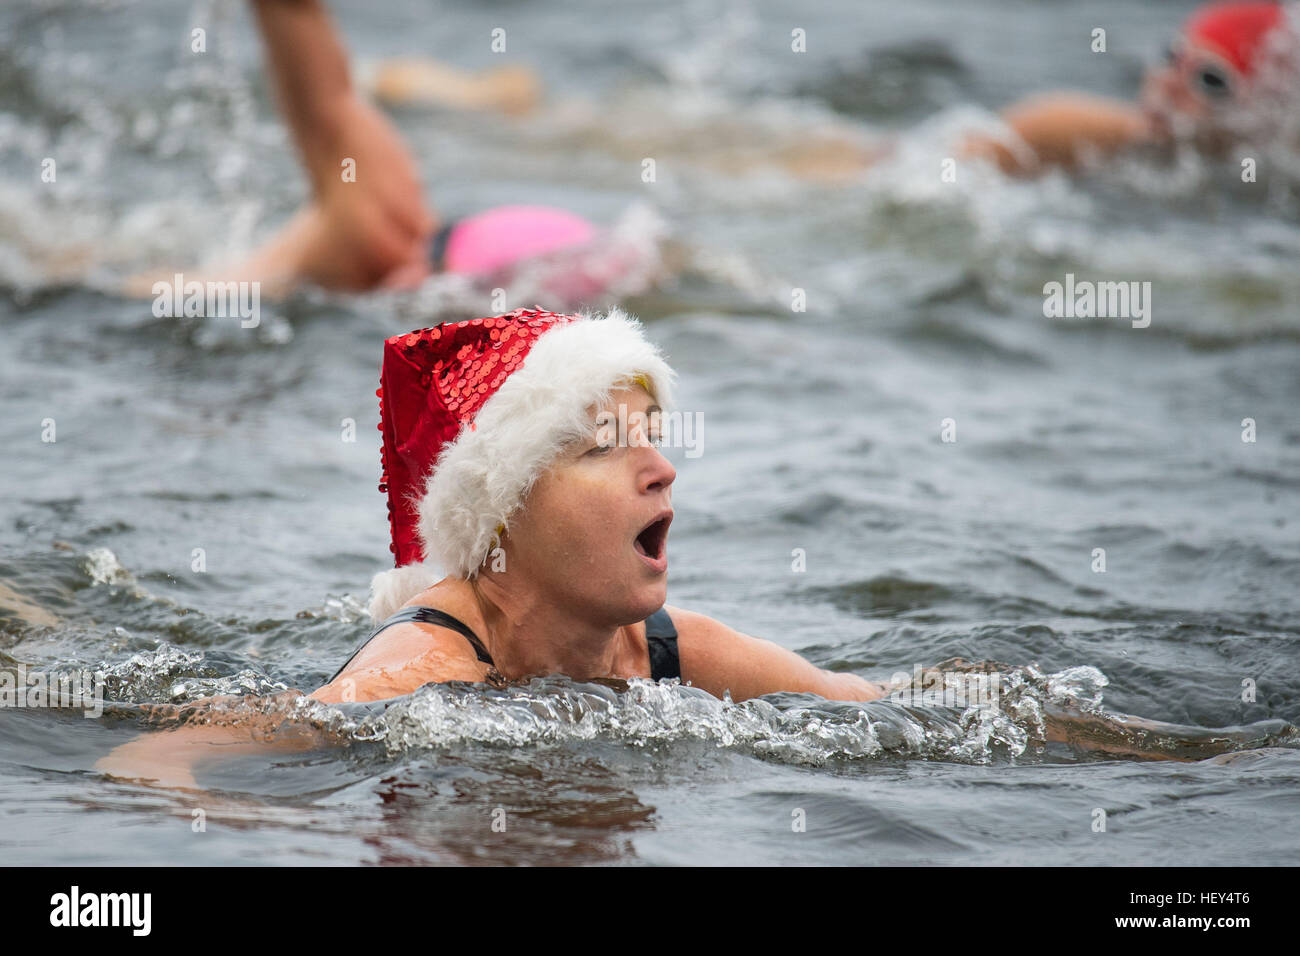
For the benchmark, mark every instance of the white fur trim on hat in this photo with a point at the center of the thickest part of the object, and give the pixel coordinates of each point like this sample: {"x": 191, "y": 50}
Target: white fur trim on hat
{"x": 483, "y": 477}
{"x": 389, "y": 590}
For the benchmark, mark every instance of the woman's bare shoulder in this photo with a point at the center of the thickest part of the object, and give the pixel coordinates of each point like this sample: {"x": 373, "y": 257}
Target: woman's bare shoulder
{"x": 401, "y": 659}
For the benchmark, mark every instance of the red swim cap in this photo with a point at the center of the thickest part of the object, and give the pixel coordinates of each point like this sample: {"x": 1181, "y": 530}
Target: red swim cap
{"x": 1235, "y": 30}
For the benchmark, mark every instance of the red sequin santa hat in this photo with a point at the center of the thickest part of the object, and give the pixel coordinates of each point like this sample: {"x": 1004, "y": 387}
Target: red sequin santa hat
{"x": 474, "y": 412}
{"x": 1236, "y": 31}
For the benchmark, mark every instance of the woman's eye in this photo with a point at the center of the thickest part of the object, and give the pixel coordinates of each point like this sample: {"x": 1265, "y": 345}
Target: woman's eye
{"x": 602, "y": 448}
{"x": 1213, "y": 82}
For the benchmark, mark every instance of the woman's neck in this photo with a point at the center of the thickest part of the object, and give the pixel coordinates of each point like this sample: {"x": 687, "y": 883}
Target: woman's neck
{"x": 528, "y": 636}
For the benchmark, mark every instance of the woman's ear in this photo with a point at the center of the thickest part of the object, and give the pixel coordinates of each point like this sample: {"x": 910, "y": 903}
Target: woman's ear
{"x": 496, "y": 560}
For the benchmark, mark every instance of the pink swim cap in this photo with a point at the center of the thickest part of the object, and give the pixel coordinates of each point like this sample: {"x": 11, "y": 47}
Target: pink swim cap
{"x": 501, "y": 236}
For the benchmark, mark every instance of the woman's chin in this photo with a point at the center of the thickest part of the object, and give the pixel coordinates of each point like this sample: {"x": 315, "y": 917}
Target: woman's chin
{"x": 649, "y": 599}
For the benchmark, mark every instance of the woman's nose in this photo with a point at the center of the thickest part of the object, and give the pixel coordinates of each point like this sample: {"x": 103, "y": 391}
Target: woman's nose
{"x": 660, "y": 473}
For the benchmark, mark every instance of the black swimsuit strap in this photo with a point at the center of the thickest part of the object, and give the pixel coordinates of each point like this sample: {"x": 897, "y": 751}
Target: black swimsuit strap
{"x": 429, "y": 615}
{"x": 660, "y": 635}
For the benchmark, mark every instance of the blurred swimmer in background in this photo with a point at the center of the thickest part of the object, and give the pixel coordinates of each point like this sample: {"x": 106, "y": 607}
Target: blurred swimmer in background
{"x": 369, "y": 224}
{"x": 1228, "y": 77}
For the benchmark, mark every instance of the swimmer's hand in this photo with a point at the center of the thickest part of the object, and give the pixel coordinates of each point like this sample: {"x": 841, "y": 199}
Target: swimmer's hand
{"x": 161, "y": 759}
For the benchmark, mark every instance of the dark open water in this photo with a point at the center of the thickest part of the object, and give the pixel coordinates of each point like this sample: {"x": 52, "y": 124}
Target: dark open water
{"x": 821, "y": 433}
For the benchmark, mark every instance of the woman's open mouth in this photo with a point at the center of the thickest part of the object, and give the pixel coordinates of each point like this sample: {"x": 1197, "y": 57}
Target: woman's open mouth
{"x": 652, "y": 543}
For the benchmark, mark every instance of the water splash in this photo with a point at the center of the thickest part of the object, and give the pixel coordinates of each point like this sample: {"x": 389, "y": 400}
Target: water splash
{"x": 791, "y": 728}
{"x": 104, "y": 568}
{"x": 171, "y": 674}
{"x": 343, "y": 608}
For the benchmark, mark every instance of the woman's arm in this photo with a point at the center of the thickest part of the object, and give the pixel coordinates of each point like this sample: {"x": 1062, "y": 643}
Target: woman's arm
{"x": 369, "y": 217}
{"x": 512, "y": 89}
{"x": 368, "y": 223}
{"x": 1124, "y": 735}
{"x": 169, "y": 757}
{"x": 718, "y": 659}
{"x": 309, "y": 69}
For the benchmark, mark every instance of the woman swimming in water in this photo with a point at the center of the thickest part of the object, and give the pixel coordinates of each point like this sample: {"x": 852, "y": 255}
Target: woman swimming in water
{"x": 529, "y": 509}
{"x": 552, "y": 532}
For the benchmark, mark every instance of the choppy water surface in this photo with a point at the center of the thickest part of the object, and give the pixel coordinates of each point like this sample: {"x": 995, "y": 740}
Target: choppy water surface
{"x": 822, "y": 433}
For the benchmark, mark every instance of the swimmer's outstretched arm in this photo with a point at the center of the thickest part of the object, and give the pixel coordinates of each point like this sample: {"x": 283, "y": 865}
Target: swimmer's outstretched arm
{"x": 401, "y": 81}
{"x": 1061, "y": 129}
{"x": 719, "y": 659}
{"x": 1124, "y": 735}
{"x": 169, "y": 758}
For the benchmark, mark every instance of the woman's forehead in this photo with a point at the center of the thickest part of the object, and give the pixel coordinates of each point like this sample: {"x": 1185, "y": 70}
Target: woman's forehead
{"x": 632, "y": 395}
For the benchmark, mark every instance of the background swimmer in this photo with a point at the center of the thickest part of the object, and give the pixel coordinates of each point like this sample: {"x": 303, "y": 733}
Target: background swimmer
{"x": 369, "y": 224}
{"x": 1226, "y": 76}
{"x": 1204, "y": 95}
